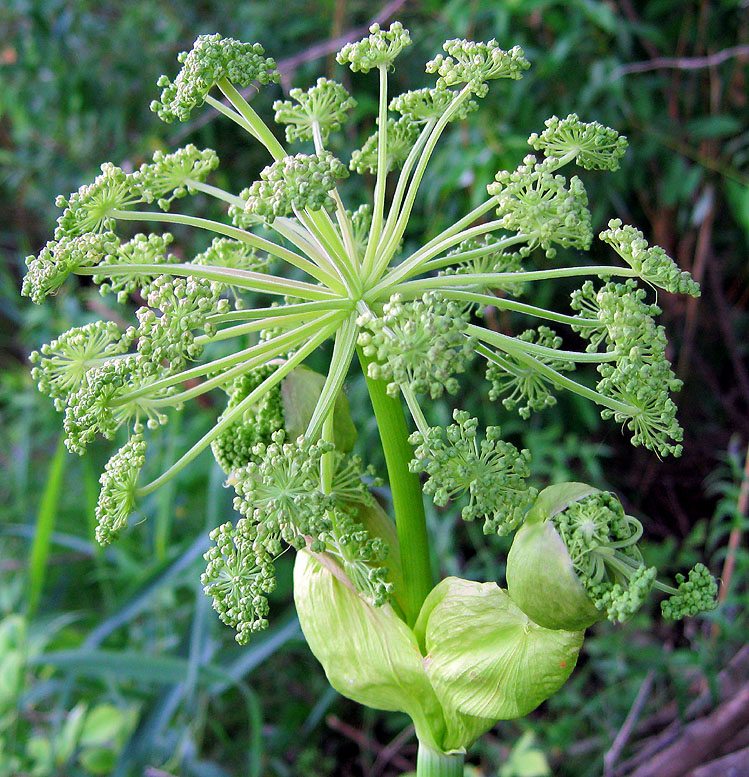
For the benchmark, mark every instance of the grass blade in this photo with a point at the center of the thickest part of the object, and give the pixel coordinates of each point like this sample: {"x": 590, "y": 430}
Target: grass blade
{"x": 45, "y": 521}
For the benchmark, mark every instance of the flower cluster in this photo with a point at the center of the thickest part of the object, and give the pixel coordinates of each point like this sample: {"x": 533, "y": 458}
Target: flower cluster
{"x": 652, "y": 264}
{"x": 324, "y": 105}
{"x": 414, "y": 314}
{"x": 379, "y": 49}
{"x": 117, "y": 497}
{"x": 593, "y": 146}
{"x": 401, "y": 135}
{"x": 492, "y": 473}
{"x": 516, "y": 383}
{"x": 173, "y": 174}
{"x": 473, "y": 64}
{"x": 538, "y": 204}
{"x": 295, "y": 183}
{"x": 211, "y": 60}
{"x": 420, "y": 345}
{"x": 239, "y": 576}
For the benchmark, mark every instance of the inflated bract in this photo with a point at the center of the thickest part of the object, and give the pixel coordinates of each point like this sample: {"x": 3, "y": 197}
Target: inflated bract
{"x": 473, "y": 657}
{"x": 541, "y": 579}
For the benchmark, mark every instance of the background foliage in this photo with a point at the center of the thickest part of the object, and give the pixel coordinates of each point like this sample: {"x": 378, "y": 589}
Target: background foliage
{"x": 111, "y": 661}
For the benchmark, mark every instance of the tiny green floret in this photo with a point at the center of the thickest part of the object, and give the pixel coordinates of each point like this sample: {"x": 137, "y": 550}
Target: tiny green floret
{"x": 233, "y": 448}
{"x": 90, "y": 209}
{"x": 118, "y": 489}
{"x": 401, "y": 135}
{"x": 167, "y": 340}
{"x": 279, "y": 490}
{"x": 59, "y": 258}
{"x": 141, "y": 249}
{"x": 61, "y": 366}
{"x": 593, "y": 146}
{"x": 324, "y": 105}
{"x": 602, "y": 542}
{"x": 474, "y": 63}
{"x": 484, "y": 256}
{"x": 419, "y": 345}
{"x": 652, "y": 264}
{"x": 211, "y": 59}
{"x": 695, "y": 594}
{"x": 423, "y": 105}
{"x": 515, "y": 383}
{"x": 492, "y": 473}
{"x": 379, "y": 49}
{"x": 100, "y": 406}
{"x": 238, "y": 578}
{"x": 295, "y": 183}
{"x": 173, "y": 174}
{"x": 535, "y": 202}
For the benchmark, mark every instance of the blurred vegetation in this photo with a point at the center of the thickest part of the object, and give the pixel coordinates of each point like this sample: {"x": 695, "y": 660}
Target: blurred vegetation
{"x": 111, "y": 661}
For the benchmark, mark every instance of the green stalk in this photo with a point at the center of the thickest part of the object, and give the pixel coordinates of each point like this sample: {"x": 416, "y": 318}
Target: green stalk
{"x": 561, "y": 380}
{"x": 259, "y": 128}
{"x": 233, "y": 115}
{"x": 236, "y": 412}
{"x": 505, "y": 343}
{"x": 242, "y": 279}
{"x": 221, "y": 229}
{"x": 382, "y": 172}
{"x": 430, "y": 763}
{"x": 408, "y": 502}
{"x": 495, "y": 279}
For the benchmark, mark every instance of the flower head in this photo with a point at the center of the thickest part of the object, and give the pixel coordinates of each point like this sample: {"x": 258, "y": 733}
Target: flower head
{"x": 238, "y": 578}
{"x": 540, "y": 205}
{"x": 401, "y": 135}
{"x": 211, "y": 59}
{"x": 594, "y": 146}
{"x": 173, "y": 174}
{"x": 491, "y": 473}
{"x": 118, "y": 489}
{"x": 91, "y": 208}
{"x": 295, "y": 183}
{"x": 652, "y": 264}
{"x": 419, "y": 344}
{"x": 61, "y": 366}
{"x": 379, "y": 49}
{"x": 324, "y": 105}
{"x": 474, "y": 63}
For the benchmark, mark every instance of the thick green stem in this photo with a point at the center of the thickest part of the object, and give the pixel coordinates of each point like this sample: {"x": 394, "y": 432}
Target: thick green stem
{"x": 430, "y": 763}
{"x": 408, "y": 502}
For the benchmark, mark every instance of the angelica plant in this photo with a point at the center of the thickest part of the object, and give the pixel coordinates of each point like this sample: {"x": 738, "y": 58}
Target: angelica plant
{"x": 460, "y": 655}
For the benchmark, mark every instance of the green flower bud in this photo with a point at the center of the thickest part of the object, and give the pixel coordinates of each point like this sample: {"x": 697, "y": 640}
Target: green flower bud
{"x": 576, "y": 561}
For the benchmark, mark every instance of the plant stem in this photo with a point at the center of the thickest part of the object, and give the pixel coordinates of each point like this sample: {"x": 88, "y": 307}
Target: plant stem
{"x": 430, "y": 763}
{"x": 408, "y": 503}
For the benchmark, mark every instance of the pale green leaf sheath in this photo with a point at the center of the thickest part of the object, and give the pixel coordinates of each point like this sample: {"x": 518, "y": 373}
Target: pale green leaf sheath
{"x": 326, "y": 273}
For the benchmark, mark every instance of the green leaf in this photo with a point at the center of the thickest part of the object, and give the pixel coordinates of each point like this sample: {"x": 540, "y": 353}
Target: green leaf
{"x": 98, "y": 760}
{"x": 713, "y": 127}
{"x": 738, "y": 199}
{"x": 102, "y": 725}
{"x": 525, "y": 760}
{"x": 126, "y": 665}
